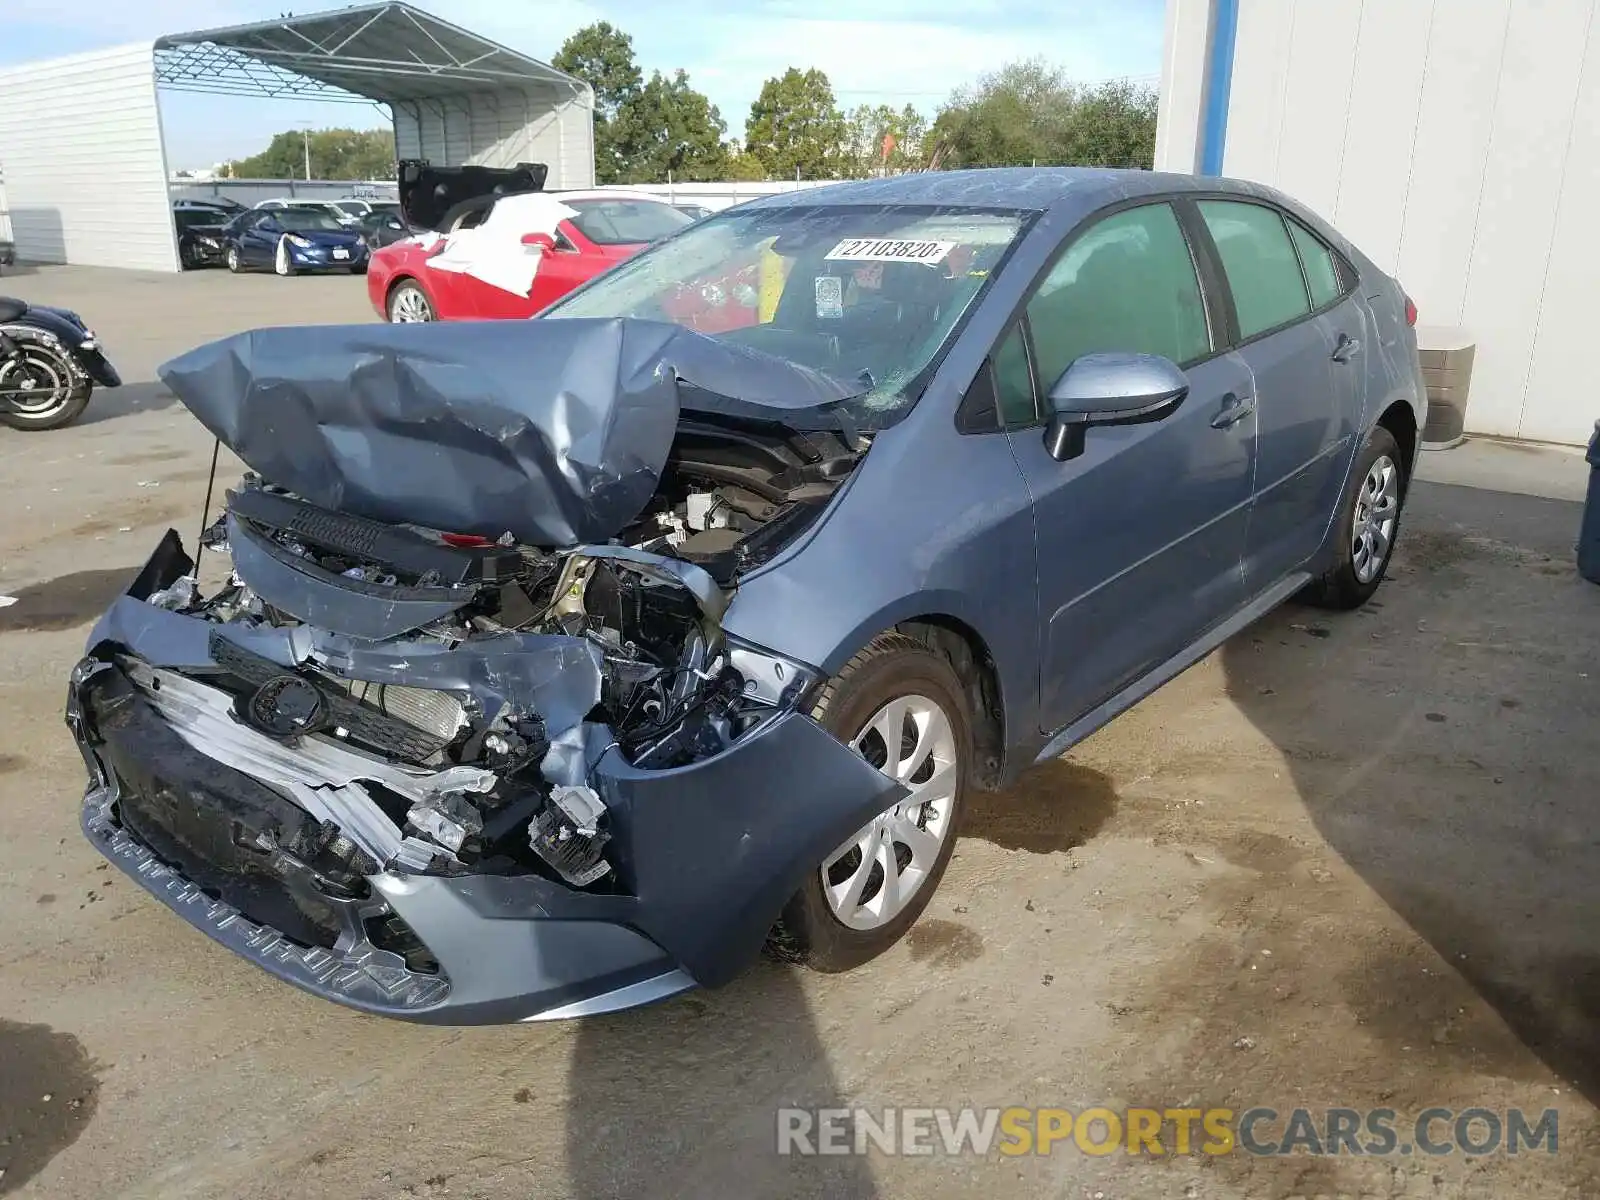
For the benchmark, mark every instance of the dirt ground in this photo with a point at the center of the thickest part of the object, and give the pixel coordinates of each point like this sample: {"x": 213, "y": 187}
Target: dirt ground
{"x": 1347, "y": 861}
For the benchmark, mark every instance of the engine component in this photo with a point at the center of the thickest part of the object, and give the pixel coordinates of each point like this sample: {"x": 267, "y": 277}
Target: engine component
{"x": 567, "y": 833}
{"x": 447, "y": 818}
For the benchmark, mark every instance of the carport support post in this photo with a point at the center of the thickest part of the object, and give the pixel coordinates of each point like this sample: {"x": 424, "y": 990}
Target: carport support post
{"x": 1196, "y": 81}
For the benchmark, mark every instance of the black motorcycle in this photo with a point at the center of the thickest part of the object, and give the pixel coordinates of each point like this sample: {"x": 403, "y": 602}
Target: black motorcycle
{"x": 49, "y": 363}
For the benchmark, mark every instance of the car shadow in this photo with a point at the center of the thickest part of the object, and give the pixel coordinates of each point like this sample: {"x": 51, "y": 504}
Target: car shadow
{"x": 1444, "y": 742}
{"x": 682, "y": 1099}
{"x": 110, "y": 404}
{"x": 661, "y": 1098}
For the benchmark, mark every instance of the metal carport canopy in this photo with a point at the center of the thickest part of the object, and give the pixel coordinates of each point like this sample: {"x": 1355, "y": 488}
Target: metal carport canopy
{"x": 454, "y": 96}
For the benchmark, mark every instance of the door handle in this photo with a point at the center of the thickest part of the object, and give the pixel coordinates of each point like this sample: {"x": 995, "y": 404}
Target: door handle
{"x": 1346, "y": 349}
{"x": 1235, "y": 408}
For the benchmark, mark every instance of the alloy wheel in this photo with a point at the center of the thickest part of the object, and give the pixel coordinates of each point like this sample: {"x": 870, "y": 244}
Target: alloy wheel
{"x": 1377, "y": 511}
{"x": 410, "y": 306}
{"x": 870, "y": 879}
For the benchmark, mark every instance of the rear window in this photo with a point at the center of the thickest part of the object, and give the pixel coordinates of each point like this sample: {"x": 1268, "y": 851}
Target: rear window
{"x": 1261, "y": 264}
{"x": 626, "y": 222}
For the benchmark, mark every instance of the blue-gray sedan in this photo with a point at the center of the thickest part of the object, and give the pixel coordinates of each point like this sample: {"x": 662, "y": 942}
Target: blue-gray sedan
{"x": 564, "y": 661}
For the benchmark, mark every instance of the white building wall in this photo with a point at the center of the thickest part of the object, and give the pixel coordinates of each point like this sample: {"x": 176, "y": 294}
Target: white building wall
{"x": 502, "y": 128}
{"x": 1457, "y": 142}
{"x": 85, "y": 170}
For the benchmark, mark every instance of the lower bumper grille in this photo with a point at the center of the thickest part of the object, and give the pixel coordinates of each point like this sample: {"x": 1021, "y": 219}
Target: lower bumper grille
{"x": 188, "y": 828}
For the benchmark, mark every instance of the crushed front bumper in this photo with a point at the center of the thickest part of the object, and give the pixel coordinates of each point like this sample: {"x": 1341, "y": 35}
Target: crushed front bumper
{"x": 705, "y": 857}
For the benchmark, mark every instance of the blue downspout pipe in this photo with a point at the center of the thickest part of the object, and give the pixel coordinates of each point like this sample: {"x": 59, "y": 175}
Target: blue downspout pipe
{"x": 1219, "y": 82}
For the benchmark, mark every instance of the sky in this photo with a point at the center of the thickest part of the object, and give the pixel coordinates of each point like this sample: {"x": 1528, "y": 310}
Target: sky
{"x": 874, "y": 51}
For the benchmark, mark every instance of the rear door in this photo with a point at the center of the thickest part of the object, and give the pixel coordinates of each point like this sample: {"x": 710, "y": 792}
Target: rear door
{"x": 1307, "y": 403}
{"x": 1141, "y": 537}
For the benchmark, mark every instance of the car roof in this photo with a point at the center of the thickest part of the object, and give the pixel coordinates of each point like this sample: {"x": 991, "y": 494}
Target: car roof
{"x": 1027, "y": 188}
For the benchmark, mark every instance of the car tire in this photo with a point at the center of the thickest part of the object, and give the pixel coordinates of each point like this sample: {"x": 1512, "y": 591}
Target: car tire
{"x": 1367, "y": 524}
{"x": 409, "y": 296}
{"x": 282, "y": 264}
{"x": 235, "y": 263}
{"x": 891, "y": 669}
{"x": 359, "y": 269}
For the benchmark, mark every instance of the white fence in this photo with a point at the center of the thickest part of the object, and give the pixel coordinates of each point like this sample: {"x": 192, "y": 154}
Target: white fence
{"x": 715, "y": 196}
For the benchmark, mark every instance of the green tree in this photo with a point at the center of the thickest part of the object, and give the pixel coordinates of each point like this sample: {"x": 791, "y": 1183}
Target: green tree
{"x": 669, "y": 129}
{"x": 1030, "y": 112}
{"x": 1114, "y": 125}
{"x": 334, "y": 153}
{"x": 602, "y": 56}
{"x": 868, "y": 125}
{"x": 795, "y": 126}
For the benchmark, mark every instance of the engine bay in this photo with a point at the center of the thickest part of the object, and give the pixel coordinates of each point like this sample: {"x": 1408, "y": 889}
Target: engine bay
{"x": 484, "y": 778}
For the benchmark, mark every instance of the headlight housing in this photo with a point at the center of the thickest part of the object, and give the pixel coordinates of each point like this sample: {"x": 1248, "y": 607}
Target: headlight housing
{"x": 295, "y": 239}
{"x": 769, "y": 678}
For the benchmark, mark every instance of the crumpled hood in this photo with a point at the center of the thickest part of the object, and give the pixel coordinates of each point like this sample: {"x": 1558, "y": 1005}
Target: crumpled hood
{"x": 553, "y": 430}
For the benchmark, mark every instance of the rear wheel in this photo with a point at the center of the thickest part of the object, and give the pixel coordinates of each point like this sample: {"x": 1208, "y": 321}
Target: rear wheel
{"x": 900, "y": 706}
{"x": 409, "y": 304}
{"x": 38, "y": 390}
{"x": 1368, "y": 521}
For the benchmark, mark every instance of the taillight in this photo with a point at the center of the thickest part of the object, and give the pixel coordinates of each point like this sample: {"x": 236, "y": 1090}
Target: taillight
{"x": 1411, "y": 311}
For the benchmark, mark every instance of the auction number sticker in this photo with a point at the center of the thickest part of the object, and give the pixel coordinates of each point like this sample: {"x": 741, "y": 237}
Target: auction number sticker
{"x": 889, "y": 250}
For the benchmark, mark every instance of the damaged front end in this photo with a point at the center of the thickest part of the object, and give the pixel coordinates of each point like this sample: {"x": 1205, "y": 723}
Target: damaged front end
{"x": 462, "y": 779}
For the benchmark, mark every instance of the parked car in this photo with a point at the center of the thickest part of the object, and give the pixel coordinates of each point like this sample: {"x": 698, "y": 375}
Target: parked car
{"x": 202, "y": 234}
{"x": 694, "y": 212}
{"x": 384, "y": 226}
{"x": 563, "y": 660}
{"x": 8, "y": 253}
{"x": 291, "y": 240}
{"x": 340, "y": 214}
{"x": 511, "y": 256}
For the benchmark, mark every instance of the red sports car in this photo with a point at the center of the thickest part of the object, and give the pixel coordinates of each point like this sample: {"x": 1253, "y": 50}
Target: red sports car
{"x": 511, "y": 255}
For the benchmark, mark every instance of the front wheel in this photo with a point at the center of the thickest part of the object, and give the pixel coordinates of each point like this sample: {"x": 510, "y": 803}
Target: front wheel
{"x": 1368, "y": 520}
{"x": 235, "y": 263}
{"x": 282, "y": 264}
{"x": 40, "y": 391}
{"x": 900, "y": 706}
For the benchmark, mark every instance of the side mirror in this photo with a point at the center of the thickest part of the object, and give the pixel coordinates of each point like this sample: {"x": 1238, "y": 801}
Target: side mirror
{"x": 1110, "y": 389}
{"x": 542, "y": 241}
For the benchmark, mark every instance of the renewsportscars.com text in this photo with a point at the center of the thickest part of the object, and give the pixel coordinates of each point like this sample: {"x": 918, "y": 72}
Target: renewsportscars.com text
{"x": 1165, "y": 1131}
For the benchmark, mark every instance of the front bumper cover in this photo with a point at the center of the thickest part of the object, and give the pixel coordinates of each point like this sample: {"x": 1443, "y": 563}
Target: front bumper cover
{"x": 706, "y": 855}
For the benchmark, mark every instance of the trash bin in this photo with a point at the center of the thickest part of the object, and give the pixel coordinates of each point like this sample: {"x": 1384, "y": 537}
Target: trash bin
{"x": 1447, "y": 355}
{"x": 1589, "y": 534}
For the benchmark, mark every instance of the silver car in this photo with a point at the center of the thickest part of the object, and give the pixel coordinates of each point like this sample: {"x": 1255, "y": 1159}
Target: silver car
{"x": 564, "y": 662}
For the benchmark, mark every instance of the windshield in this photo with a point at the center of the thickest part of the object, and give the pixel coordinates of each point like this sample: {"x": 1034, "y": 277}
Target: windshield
{"x": 843, "y": 290}
{"x": 625, "y": 222}
{"x": 307, "y": 220}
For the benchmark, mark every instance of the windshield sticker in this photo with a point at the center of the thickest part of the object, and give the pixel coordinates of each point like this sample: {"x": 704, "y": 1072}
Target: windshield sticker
{"x": 889, "y": 250}
{"x": 830, "y": 297}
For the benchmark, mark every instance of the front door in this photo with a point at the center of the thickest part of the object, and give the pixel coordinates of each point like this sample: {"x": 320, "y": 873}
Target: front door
{"x": 1141, "y": 538}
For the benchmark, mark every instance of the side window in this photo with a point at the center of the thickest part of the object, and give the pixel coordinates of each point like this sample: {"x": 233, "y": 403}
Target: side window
{"x": 1262, "y": 268}
{"x": 1013, "y": 385}
{"x": 1322, "y": 274}
{"x": 1127, "y": 284}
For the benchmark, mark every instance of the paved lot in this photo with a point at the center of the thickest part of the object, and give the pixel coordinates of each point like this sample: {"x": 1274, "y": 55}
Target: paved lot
{"x": 1346, "y": 861}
